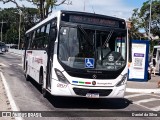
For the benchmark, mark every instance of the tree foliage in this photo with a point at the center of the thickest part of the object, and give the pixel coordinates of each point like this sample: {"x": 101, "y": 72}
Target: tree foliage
{"x": 141, "y": 17}
{"x": 155, "y": 16}
{"x": 11, "y": 17}
{"x": 45, "y": 7}
{"x": 134, "y": 30}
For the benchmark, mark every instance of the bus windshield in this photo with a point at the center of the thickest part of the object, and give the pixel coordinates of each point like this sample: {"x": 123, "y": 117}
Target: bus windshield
{"x": 106, "y": 48}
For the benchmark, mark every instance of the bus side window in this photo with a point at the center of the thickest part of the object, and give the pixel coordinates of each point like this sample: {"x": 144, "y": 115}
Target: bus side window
{"x": 27, "y": 38}
{"x": 42, "y": 39}
{"x": 53, "y": 30}
{"x": 46, "y": 36}
{"x": 32, "y": 40}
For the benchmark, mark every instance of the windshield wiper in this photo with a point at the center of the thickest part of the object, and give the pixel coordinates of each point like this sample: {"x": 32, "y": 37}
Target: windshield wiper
{"x": 86, "y": 35}
{"x": 108, "y": 38}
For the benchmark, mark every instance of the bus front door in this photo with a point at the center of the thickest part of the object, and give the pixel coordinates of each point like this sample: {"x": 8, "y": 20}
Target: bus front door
{"x": 50, "y": 54}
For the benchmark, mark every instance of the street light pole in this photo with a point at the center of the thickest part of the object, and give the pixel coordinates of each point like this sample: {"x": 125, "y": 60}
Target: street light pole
{"x": 150, "y": 10}
{"x": 20, "y": 17}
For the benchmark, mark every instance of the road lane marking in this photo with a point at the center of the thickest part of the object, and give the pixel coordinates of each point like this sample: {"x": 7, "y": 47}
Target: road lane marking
{"x": 146, "y": 100}
{"x": 156, "y": 108}
{"x": 134, "y": 95}
{"x": 1, "y": 64}
{"x": 10, "y": 98}
{"x": 20, "y": 65}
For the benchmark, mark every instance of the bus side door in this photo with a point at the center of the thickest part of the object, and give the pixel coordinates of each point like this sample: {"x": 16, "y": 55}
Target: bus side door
{"x": 50, "y": 53}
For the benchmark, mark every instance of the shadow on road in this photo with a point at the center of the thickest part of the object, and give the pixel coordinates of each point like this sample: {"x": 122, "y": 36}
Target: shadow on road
{"x": 87, "y": 103}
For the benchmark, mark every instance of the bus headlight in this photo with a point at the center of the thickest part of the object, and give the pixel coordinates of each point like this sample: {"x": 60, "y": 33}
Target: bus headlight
{"x": 122, "y": 81}
{"x": 61, "y": 77}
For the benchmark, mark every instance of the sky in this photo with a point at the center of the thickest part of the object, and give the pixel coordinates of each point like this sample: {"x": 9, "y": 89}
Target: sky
{"x": 118, "y": 8}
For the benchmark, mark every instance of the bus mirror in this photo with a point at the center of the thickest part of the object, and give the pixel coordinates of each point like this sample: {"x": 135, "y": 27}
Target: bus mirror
{"x": 130, "y": 50}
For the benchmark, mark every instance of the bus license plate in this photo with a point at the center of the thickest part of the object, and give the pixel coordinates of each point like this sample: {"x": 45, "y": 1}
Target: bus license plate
{"x": 92, "y": 95}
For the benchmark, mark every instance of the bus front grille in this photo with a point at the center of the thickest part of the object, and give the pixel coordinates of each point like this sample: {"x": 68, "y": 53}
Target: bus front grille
{"x": 83, "y": 92}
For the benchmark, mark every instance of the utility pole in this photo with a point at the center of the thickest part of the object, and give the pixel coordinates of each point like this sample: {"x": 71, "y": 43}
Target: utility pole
{"x": 2, "y": 30}
{"x": 20, "y": 19}
{"x": 84, "y": 6}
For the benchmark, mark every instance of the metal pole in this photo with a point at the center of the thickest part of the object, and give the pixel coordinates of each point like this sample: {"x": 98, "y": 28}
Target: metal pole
{"x": 84, "y": 6}
{"x": 150, "y": 19}
{"x": 1, "y": 29}
{"x": 20, "y": 13}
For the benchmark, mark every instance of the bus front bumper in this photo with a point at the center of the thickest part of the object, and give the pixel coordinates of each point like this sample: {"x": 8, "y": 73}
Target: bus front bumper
{"x": 87, "y": 91}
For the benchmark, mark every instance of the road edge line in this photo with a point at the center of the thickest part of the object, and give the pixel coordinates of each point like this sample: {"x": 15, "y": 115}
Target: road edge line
{"x": 9, "y": 95}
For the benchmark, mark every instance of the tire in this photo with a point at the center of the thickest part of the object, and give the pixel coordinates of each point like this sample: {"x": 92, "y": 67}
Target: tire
{"x": 44, "y": 92}
{"x": 41, "y": 81}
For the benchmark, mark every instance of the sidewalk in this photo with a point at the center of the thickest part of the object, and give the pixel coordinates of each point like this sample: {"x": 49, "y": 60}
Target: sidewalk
{"x": 4, "y": 102}
{"x": 150, "y": 86}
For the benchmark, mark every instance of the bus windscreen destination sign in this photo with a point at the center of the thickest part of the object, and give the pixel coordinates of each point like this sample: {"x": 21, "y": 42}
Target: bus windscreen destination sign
{"x": 93, "y": 21}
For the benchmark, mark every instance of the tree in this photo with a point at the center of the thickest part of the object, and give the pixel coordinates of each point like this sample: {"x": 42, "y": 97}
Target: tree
{"x": 134, "y": 30}
{"x": 45, "y": 6}
{"x": 144, "y": 14}
{"x": 11, "y": 17}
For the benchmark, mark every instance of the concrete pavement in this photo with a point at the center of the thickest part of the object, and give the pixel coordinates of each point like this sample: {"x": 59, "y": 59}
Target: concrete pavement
{"x": 151, "y": 86}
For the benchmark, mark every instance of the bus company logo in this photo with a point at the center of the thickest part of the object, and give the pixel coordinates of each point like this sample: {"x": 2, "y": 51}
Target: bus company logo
{"x": 93, "y": 82}
{"x": 110, "y": 57}
{"x": 94, "y": 76}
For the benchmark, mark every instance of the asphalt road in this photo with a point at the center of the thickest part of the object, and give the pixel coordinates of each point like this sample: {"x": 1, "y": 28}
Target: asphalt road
{"x": 28, "y": 97}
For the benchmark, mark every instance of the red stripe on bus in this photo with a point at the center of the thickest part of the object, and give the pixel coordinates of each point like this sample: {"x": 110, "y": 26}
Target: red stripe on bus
{"x": 87, "y": 82}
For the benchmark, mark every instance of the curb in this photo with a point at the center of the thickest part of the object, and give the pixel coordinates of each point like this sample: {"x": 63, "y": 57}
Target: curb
{"x": 137, "y": 90}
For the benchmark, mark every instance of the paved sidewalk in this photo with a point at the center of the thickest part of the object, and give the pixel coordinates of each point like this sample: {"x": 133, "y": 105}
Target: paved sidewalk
{"x": 4, "y": 102}
{"x": 150, "y": 86}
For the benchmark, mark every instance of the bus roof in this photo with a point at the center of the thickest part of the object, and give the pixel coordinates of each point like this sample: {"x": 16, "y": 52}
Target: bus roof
{"x": 56, "y": 14}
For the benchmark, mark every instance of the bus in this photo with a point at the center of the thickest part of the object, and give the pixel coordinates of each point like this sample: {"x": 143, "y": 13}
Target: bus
{"x": 156, "y": 57}
{"x": 3, "y": 48}
{"x": 78, "y": 54}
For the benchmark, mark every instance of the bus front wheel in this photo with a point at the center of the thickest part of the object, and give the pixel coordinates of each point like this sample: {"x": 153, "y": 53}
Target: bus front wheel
{"x": 44, "y": 92}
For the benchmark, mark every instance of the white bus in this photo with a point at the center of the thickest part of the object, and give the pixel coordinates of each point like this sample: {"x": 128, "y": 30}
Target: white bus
{"x": 78, "y": 54}
{"x": 156, "y": 56}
